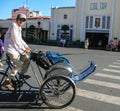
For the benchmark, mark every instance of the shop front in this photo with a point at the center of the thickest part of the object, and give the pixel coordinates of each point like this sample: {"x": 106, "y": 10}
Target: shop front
{"x": 97, "y": 40}
{"x": 98, "y": 22}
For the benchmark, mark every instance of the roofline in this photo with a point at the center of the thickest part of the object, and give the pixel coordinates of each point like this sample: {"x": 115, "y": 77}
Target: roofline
{"x": 63, "y": 7}
{"x": 36, "y": 17}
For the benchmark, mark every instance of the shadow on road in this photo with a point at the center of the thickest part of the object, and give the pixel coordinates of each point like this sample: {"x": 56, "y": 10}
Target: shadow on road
{"x": 20, "y": 101}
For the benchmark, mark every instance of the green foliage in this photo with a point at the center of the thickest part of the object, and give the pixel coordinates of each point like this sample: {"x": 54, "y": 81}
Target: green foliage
{"x": 31, "y": 34}
{"x": 31, "y": 31}
{"x": 77, "y": 42}
{"x": 65, "y": 28}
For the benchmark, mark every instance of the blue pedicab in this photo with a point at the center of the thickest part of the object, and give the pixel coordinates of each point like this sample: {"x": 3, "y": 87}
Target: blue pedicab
{"x": 61, "y": 65}
{"x": 57, "y": 89}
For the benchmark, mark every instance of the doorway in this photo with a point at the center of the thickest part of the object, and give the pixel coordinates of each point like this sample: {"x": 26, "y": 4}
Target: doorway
{"x": 97, "y": 40}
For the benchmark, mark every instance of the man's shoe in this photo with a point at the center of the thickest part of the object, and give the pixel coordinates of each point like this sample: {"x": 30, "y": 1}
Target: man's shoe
{"x": 14, "y": 72}
{"x": 8, "y": 85}
{"x": 25, "y": 76}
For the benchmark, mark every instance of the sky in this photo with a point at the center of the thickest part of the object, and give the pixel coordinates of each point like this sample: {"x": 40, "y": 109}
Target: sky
{"x": 44, "y": 6}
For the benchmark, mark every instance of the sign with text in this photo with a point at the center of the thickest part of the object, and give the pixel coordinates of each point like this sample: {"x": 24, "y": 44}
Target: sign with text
{"x": 98, "y": 6}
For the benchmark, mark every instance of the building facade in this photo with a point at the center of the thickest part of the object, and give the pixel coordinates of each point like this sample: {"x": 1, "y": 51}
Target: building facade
{"x": 25, "y": 10}
{"x": 98, "y": 20}
{"x": 62, "y": 22}
{"x": 36, "y": 27}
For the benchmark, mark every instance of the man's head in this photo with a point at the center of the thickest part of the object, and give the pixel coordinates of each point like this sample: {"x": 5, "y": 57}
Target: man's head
{"x": 21, "y": 18}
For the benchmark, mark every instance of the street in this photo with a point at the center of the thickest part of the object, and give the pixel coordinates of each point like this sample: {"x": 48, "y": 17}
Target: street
{"x": 100, "y": 91}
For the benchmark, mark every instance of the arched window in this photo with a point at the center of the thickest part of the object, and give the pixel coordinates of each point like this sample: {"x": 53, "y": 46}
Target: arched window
{"x": 65, "y": 27}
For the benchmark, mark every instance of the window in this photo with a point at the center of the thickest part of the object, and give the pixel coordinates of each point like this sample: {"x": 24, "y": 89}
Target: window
{"x": 87, "y": 21}
{"x": 71, "y": 26}
{"x": 97, "y": 22}
{"x": 103, "y": 22}
{"x": 108, "y": 22}
{"x": 65, "y": 16}
{"x": 91, "y": 21}
{"x": 58, "y": 26}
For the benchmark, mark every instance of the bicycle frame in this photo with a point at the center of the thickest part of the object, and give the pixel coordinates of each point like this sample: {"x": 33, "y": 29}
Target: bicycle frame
{"x": 44, "y": 77}
{"x": 50, "y": 86}
{"x": 51, "y": 83}
{"x": 10, "y": 67}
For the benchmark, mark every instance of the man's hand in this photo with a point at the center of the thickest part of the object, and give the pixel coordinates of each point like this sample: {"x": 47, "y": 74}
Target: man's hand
{"x": 27, "y": 50}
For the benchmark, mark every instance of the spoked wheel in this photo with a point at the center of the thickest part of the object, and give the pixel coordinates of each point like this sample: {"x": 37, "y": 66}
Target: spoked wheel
{"x": 58, "y": 91}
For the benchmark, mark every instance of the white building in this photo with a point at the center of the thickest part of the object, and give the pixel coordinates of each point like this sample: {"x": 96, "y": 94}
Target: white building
{"x": 98, "y": 20}
{"x": 41, "y": 24}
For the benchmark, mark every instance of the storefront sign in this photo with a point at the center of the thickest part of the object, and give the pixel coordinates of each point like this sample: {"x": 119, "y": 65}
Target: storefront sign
{"x": 98, "y": 6}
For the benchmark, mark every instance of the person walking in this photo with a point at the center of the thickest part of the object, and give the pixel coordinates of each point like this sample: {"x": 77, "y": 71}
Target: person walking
{"x": 86, "y": 43}
{"x": 1, "y": 51}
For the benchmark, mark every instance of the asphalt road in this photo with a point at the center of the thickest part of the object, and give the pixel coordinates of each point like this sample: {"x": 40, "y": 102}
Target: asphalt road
{"x": 99, "y": 92}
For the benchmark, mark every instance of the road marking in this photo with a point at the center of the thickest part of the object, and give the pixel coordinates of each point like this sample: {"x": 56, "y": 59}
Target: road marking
{"x": 107, "y": 76}
{"x": 118, "y": 60}
{"x": 101, "y": 83}
{"x": 114, "y": 66}
{"x": 95, "y": 95}
{"x": 116, "y": 63}
{"x": 111, "y": 70}
{"x": 99, "y": 96}
{"x": 66, "y": 109}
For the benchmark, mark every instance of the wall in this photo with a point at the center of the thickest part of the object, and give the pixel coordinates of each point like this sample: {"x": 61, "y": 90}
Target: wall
{"x": 57, "y": 15}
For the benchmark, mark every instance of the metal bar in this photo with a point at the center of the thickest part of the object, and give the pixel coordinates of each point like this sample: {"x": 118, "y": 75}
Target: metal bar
{"x": 36, "y": 76}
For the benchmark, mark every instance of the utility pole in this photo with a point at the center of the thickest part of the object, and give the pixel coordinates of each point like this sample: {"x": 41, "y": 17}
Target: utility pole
{"x": 26, "y": 17}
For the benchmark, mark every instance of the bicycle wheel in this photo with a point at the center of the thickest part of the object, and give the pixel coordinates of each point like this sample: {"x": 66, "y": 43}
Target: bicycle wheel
{"x": 58, "y": 91}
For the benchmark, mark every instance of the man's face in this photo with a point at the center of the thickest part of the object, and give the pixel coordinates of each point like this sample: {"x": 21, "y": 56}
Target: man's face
{"x": 21, "y": 22}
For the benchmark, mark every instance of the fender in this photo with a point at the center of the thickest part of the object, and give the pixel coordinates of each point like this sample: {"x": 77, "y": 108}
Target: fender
{"x": 60, "y": 69}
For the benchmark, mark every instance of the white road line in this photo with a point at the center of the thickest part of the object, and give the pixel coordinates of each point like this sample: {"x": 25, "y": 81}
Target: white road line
{"x": 111, "y": 70}
{"x": 118, "y": 60}
{"x": 116, "y": 63}
{"x": 101, "y": 83}
{"x": 107, "y": 76}
{"x": 66, "y": 109}
{"x": 99, "y": 96}
{"x": 114, "y": 66}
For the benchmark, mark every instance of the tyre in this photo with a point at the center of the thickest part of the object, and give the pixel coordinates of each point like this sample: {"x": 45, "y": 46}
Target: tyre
{"x": 58, "y": 91}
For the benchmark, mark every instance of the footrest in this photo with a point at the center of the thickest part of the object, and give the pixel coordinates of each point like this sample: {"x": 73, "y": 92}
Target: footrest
{"x": 85, "y": 73}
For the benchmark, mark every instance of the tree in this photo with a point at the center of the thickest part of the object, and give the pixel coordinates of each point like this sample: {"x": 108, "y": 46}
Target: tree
{"x": 65, "y": 28}
{"x": 31, "y": 33}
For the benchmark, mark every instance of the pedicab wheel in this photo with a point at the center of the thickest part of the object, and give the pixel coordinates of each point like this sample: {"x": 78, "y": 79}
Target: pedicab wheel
{"x": 58, "y": 91}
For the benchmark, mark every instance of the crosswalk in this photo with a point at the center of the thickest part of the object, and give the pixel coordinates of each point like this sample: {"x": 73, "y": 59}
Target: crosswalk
{"x": 111, "y": 72}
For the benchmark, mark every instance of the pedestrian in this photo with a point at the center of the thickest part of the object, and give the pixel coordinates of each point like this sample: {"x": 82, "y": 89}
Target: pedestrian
{"x": 2, "y": 37}
{"x": 63, "y": 41}
{"x": 86, "y": 43}
{"x": 1, "y": 51}
{"x": 16, "y": 49}
{"x": 115, "y": 43}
